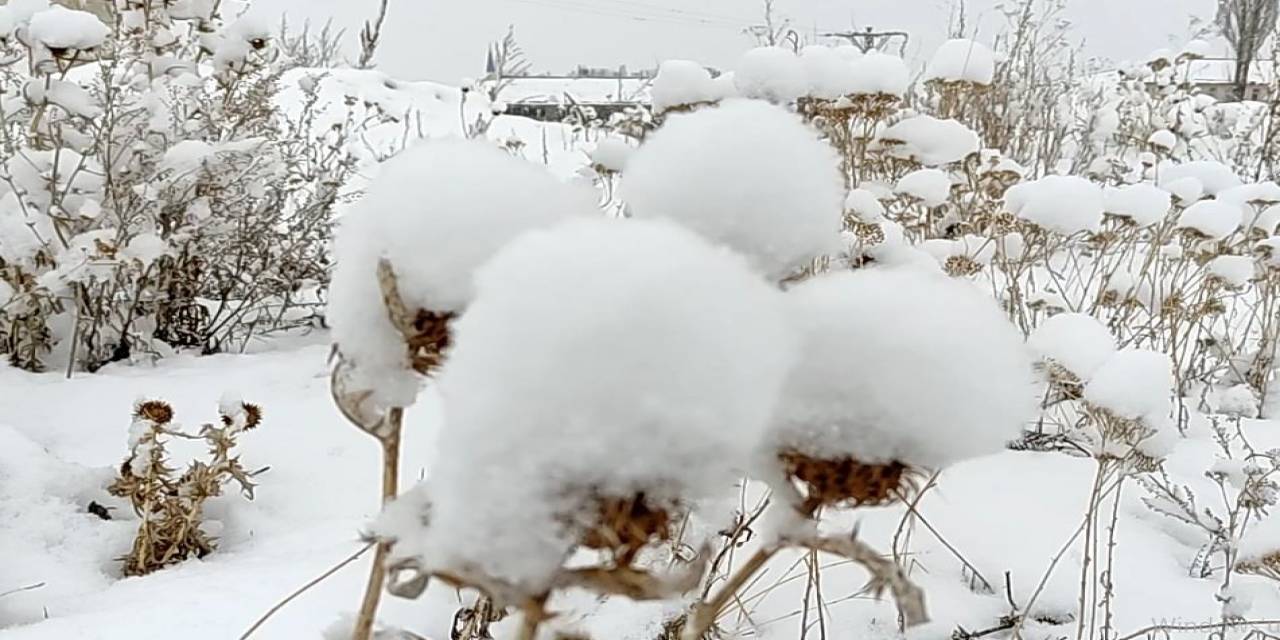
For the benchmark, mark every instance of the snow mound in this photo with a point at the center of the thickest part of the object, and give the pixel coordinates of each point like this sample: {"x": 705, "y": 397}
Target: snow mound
{"x": 611, "y": 154}
{"x": 61, "y": 28}
{"x": 1187, "y": 189}
{"x": 930, "y": 141}
{"x": 1264, "y": 193}
{"x": 828, "y": 74}
{"x": 900, "y": 364}
{"x": 880, "y": 73}
{"x": 770, "y": 73}
{"x": 1077, "y": 341}
{"x": 930, "y": 186}
{"x": 962, "y": 60}
{"x": 434, "y": 213}
{"x": 681, "y": 83}
{"x": 1141, "y": 203}
{"x": 1235, "y": 271}
{"x": 1212, "y": 218}
{"x": 746, "y": 174}
{"x": 1267, "y": 221}
{"x": 1134, "y": 383}
{"x": 1215, "y": 176}
{"x": 1066, "y": 204}
{"x": 600, "y": 357}
{"x": 864, "y": 205}
{"x": 1163, "y": 139}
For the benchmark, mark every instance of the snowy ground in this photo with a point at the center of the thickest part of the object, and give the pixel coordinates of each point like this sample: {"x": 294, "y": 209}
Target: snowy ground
{"x": 60, "y": 441}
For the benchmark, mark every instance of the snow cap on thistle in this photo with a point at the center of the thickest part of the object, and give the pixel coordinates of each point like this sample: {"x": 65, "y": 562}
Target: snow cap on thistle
{"x": 746, "y": 174}
{"x": 600, "y": 358}
{"x": 434, "y": 213}
{"x": 902, "y": 365}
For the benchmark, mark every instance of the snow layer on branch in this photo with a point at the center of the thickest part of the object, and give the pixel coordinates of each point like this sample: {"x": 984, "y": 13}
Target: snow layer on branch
{"x": 829, "y": 75}
{"x": 931, "y": 186}
{"x": 770, "y": 73}
{"x": 962, "y": 60}
{"x": 1066, "y": 204}
{"x": 746, "y": 174}
{"x": 61, "y": 28}
{"x": 1142, "y": 203}
{"x": 1215, "y": 176}
{"x": 1077, "y": 341}
{"x": 1215, "y": 219}
{"x": 605, "y": 356}
{"x": 435, "y": 213}
{"x": 902, "y": 364}
{"x": 880, "y": 73}
{"x": 1134, "y": 383}
{"x": 682, "y": 82}
{"x": 930, "y": 141}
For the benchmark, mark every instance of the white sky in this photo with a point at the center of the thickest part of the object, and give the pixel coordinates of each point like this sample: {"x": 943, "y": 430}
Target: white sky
{"x": 445, "y": 40}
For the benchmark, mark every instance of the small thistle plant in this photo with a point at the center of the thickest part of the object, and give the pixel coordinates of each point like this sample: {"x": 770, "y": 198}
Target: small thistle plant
{"x": 171, "y": 507}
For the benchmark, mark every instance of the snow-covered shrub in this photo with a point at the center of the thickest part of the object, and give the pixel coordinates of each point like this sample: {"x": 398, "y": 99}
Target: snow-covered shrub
{"x": 154, "y": 194}
{"x": 745, "y": 174}
{"x": 170, "y": 507}
{"x": 605, "y": 369}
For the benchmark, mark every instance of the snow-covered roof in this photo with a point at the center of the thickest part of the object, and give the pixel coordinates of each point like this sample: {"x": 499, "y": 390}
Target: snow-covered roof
{"x": 552, "y": 89}
{"x": 1223, "y": 70}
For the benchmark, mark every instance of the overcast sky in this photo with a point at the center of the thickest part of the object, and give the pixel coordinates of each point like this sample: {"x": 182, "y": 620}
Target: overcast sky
{"x": 445, "y": 40}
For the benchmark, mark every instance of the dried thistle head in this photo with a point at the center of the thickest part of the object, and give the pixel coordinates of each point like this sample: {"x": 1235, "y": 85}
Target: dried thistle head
{"x": 253, "y": 415}
{"x": 156, "y": 411}
{"x": 623, "y": 526}
{"x": 961, "y": 266}
{"x": 429, "y": 341}
{"x": 868, "y": 233}
{"x": 1266, "y": 565}
{"x": 846, "y": 481}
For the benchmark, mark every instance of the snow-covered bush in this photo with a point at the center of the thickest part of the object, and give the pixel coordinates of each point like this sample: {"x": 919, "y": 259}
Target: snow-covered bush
{"x": 154, "y": 194}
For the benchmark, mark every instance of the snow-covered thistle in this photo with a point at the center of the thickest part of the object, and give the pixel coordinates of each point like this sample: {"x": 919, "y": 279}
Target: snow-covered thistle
{"x": 170, "y": 507}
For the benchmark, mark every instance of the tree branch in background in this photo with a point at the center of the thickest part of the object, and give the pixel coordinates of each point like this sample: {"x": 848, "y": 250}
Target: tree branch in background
{"x": 370, "y": 35}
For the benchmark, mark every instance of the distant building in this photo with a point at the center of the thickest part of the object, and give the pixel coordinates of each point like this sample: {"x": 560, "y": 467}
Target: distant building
{"x": 1216, "y": 77}
{"x": 600, "y": 92}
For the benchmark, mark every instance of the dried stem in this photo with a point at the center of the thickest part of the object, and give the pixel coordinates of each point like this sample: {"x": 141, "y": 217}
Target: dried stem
{"x": 303, "y": 589}
{"x": 390, "y": 441}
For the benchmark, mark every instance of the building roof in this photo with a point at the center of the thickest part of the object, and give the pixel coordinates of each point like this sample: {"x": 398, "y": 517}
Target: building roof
{"x": 553, "y": 89}
{"x": 1223, "y": 71}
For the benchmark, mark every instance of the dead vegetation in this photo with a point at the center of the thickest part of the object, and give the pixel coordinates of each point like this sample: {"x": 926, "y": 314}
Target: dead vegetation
{"x": 171, "y": 506}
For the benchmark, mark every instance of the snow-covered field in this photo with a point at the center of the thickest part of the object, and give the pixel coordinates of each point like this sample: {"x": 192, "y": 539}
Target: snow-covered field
{"x": 61, "y": 440}
{"x": 823, "y": 346}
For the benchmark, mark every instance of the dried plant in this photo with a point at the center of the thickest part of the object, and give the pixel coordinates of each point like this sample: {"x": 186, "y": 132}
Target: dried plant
{"x": 138, "y": 230}
{"x": 171, "y": 506}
